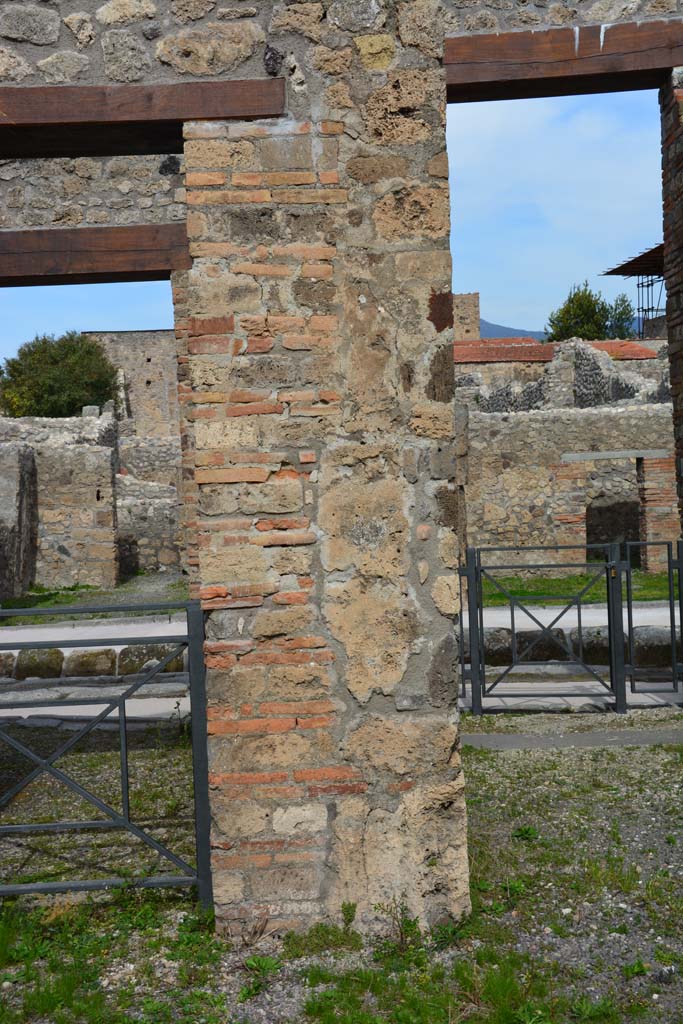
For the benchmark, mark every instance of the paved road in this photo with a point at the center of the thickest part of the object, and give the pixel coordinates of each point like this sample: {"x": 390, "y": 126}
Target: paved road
{"x": 645, "y": 613}
{"x": 613, "y": 738}
{"x": 111, "y": 631}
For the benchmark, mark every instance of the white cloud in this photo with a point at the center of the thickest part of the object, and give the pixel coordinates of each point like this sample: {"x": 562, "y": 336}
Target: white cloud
{"x": 546, "y": 193}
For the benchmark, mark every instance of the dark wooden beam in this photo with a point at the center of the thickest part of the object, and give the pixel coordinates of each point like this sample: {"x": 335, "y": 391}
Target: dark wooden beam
{"x": 133, "y": 119}
{"x": 563, "y": 61}
{"x": 141, "y": 252}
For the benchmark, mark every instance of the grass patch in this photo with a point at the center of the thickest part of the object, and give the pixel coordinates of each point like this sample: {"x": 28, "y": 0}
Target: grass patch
{"x": 555, "y": 590}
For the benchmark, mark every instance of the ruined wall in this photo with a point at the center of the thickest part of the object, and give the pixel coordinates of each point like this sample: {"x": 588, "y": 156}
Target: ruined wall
{"x": 466, "y": 316}
{"x": 71, "y": 532}
{"x": 531, "y": 476}
{"x": 149, "y": 455}
{"x": 76, "y": 516}
{"x": 18, "y": 518}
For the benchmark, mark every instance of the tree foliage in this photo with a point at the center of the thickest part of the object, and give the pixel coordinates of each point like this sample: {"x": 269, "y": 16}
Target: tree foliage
{"x": 56, "y": 377}
{"x": 586, "y": 314}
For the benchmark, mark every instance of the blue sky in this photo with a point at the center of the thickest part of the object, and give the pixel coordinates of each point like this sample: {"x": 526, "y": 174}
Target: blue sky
{"x": 545, "y": 193}
{"x": 25, "y": 312}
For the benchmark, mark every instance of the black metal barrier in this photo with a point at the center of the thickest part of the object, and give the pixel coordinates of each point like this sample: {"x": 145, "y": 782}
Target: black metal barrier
{"x": 607, "y": 571}
{"x": 190, "y": 639}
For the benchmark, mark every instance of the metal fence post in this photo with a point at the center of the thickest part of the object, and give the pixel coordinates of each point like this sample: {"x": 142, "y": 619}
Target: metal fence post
{"x": 615, "y": 620}
{"x": 200, "y": 757}
{"x": 473, "y": 628}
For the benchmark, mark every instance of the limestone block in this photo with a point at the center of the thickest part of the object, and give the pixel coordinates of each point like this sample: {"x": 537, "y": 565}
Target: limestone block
{"x": 299, "y": 18}
{"x": 446, "y": 595}
{"x": 402, "y": 746}
{"x": 29, "y": 23}
{"x": 213, "y": 291}
{"x": 125, "y": 57}
{"x": 332, "y": 62}
{"x": 238, "y": 563}
{"x": 6, "y": 664}
{"x": 64, "y": 67}
{"x": 80, "y": 23}
{"x": 118, "y": 12}
{"x": 390, "y": 111}
{"x": 366, "y": 526}
{"x": 45, "y": 663}
{"x": 301, "y": 818}
{"x": 420, "y": 24}
{"x": 419, "y": 849}
{"x": 266, "y": 753}
{"x": 212, "y": 50}
{"x": 282, "y": 622}
{"x": 90, "y": 663}
{"x": 376, "y": 167}
{"x": 356, "y": 15}
{"x": 139, "y": 657}
{"x": 418, "y": 211}
{"x": 376, "y": 51}
{"x": 280, "y": 495}
{"x": 228, "y": 886}
{"x": 13, "y": 67}
{"x": 359, "y": 613}
{"x": 236, "y": 818}
{"x": 191, "y": 10}
{"x": 220, "y": 153}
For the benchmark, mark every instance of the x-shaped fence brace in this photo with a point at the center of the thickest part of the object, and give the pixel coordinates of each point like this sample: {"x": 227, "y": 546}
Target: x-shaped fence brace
{"x": 47, "y": 765}
{"x": 545, "y": 631}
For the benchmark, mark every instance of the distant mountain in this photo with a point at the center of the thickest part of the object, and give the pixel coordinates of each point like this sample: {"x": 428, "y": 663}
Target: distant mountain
{"x": 489, "y": 330}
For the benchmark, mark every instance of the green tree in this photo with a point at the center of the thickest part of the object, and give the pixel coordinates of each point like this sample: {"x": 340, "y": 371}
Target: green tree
{"x": 56, "y": 377}
{"x": 586, "y": 314}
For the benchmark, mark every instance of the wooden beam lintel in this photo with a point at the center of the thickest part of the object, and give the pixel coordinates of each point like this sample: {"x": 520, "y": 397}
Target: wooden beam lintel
{"x": 141, "y": 252}
{"x": 589, "y": 58}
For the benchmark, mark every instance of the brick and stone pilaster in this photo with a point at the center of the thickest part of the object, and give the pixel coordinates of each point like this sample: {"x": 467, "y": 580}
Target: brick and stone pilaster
{"x": 659, "y": 520}
{"x": 320, "y": 486}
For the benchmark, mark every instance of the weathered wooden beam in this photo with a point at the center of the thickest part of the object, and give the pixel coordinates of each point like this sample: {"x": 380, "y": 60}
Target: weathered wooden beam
{"x": 564, "y": 61}
{"x": 141, "y": 252}
{"x": 101, "y": 120}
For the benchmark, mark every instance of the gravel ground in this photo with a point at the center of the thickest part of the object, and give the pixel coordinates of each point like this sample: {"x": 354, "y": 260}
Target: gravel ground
{"x": 577, "y": 869}
{"x": 553, "y": 723}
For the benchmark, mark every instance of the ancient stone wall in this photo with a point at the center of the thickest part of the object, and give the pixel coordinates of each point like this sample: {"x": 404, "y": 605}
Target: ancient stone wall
{"x": 466, "y": 316}
{"x": 532, "y": 476}
{"x": 659, "y": 519}
{"x": 90, "y": 191}
{"x": 149, "y": 456}
{"x": 71, "y": 533}
{"x": 77, "y": 540}
{"x": 18, "y": 518}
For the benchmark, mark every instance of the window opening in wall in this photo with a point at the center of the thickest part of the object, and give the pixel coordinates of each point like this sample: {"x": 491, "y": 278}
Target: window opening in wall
{"x": 90, "y": 439}
{"x": 610, "y": 522}
{"x": 547, "y": 195}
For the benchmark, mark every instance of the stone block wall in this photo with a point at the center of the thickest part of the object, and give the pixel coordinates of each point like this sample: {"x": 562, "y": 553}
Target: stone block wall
{"x": 90, "y": 191}
{"x": 71, "y": 529}
{"x": 149, "y": 454}
{"x": 659, "y": 520}
{"x": 77, "y": 516}
{"x": 18, "y": 518}
{"x": 466, "y": 316}
{"x": 531, "y": 476}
